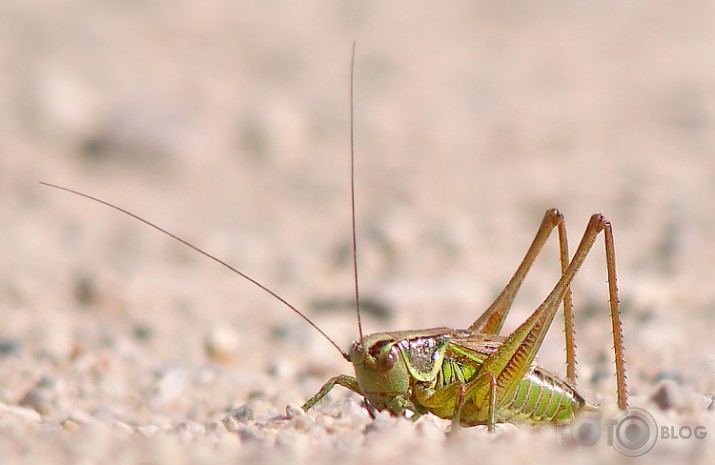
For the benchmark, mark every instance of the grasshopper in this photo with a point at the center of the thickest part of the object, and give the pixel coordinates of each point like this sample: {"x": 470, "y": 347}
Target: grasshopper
{"x": 471, "y": 376}
{"x": 474, "y": 376}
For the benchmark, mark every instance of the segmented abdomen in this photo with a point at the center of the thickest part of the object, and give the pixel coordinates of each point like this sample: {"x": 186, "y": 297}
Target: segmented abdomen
{"x": 543, "y": 397}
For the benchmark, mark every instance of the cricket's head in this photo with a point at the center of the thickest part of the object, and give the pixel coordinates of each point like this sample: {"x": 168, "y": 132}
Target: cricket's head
{"x": 387, "y": 364}
{"x": 381, "y": 371}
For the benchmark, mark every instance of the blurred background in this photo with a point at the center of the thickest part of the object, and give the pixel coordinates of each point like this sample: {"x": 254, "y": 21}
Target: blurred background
{"x": 228, "y": 124}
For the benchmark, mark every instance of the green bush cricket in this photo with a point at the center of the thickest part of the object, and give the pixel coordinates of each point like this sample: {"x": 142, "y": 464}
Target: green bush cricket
{"x": 472, "y": 376}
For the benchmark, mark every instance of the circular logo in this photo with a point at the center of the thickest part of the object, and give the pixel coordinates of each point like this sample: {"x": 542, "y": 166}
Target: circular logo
{"x": 586, "y": 431}
{"x": 635, "y": 433}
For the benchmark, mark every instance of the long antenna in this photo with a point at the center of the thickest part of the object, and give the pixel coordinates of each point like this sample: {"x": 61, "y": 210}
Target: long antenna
{"x": 352, "y": 193}
{"x": 206, "y": 254}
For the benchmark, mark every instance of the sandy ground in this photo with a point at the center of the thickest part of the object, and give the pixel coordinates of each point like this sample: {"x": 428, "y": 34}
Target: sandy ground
{"x": 227, "y": 122}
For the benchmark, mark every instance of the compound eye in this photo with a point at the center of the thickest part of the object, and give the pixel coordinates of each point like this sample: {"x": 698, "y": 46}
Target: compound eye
{"x": 358, "y": 347}
{"x": 388, "y": 359}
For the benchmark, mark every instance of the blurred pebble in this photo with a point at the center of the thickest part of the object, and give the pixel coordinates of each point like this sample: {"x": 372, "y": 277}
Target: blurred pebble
{"x": 216, "y": 427}
{"x": 353, "y": 414}
{"x": 230, "y": 423}
{"x": 227, "y": 440}
{"x": 291, "y": 441}
{"x": 85, "y": 291}
{"x": 58, "y": 343}
{"x": 294, "y": 410}
{"x": 503, "y": 431}
{"x": 193, "y": 427}
{"x": 147, "y": 431}
{"x": 146, "y": 132}
{"x": 37, "y": 399}
{"x": 9, "y": 346}
{"x": 172, "y": 383}
{"x": 382, "y": 423}
{"x": 251, "y": 432}
{"x": 669, "y": 395}
{"x": 143, "y": 332}
{"x": 206, "y": 376}
{"x": 123, "y": 427}
{"x": 389, "y": 430}
{"x": 282, "y": 369}
{"x": 188, "y": 431}
{"x": 83, "y": 418}
{"x": 70, "y": 426}
{"x": 304, "y": 423}
{"x": 254, "y": 410}
{"x": 222, "y": 343}
{"x": 429, "y": 430}
{"x": 104, "y": 415}
{"x": 326, "y": 421}
{"x": 27, "y": 414}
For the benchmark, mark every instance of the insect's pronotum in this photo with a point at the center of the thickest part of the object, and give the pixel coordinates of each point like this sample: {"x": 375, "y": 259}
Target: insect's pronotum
{"x": 471, "y": 376}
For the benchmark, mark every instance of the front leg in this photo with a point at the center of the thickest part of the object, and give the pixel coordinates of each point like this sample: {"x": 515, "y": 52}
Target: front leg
{"x": 342, "y": 380}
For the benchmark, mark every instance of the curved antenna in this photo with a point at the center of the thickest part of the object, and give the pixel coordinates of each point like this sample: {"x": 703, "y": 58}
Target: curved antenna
{"x": 352, "y": 195}
{"x": 206, "y": 254}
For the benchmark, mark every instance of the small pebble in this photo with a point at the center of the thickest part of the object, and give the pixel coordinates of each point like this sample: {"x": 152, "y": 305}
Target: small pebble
{"x": 251, "y": 432}
{"x": 669, "y": 395}
{"x": 172, "y": 384}
{"x": 9, "y": 346}
{"x": 123, "y": 427}
{"x": 282, "y": 369}
{"x": 216, "y": 427}
{"x": 230, "y": 423}
{"x": 222, "y": 343}
{"x": 147, "y": 431}
{"x": 290, "y": 440}
{"x": 228, "y": 440}
{"x": 70, "y": 426}
{"x": 27, "y": 414}
{"x": 353, "y": 414}
{"x": 428, "y": 429}
{"x": 304, "y": 423}
{"x": 193, "y": 427}
{"x": 326, "y": 421}
{"x": 188, "y": 431}
{"x": 37, "y": 399}
{"x": 294, "y": 410}
{"x": 383, "y": 422}
{"x": 352, "y": 409}
{"x": 83, "y": 418}
{"x": 254, "y": 410}
{"x": 104, "y": 414}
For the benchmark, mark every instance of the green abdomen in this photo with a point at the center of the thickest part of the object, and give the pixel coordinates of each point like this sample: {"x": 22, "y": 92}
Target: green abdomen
{"x": 542, "y": 397}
